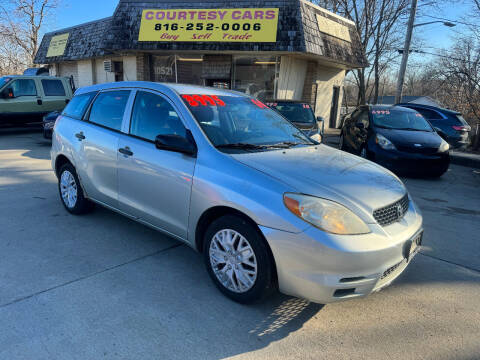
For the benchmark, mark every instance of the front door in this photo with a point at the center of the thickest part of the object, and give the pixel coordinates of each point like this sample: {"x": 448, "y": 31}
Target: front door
{"x": 334, "y": 108}
{"x": 155, "y": 185}
{"x": 26, "y": 104}
{"x": 97, "y": 162}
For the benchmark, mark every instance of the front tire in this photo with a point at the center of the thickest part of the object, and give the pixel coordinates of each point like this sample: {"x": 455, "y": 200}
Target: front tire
{"x": 238, "y": 259}
{"x": 71, "y": 193}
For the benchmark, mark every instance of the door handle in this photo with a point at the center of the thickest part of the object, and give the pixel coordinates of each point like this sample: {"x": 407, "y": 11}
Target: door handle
{"x": 125, "y": 151}
{"x": 80, "y": 136}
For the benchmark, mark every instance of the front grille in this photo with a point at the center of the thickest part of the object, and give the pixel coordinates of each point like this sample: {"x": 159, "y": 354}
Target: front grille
{"x": 417, "y": 150}
{"x": 392, "y": 213}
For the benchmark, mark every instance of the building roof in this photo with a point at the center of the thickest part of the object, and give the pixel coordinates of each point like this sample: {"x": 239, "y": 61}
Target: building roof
{"x": 298, "y": 32}
{"x": 84, "y": 41}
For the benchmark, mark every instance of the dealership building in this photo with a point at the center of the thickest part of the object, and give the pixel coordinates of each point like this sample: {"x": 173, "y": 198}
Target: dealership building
{"x": 275, "y": 49}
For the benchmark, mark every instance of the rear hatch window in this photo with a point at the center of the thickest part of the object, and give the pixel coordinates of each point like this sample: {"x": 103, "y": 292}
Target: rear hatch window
{"x": 294, "y": 112}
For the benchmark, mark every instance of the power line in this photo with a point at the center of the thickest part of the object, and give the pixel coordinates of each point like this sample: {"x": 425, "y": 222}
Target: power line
{"x": 453, "y": 21}
{"x": 400, "y": 51}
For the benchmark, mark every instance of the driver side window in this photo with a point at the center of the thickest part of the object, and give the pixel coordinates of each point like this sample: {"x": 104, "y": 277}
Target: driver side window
{"x": 23, "y": 87}
{"x": 152, "y": 115}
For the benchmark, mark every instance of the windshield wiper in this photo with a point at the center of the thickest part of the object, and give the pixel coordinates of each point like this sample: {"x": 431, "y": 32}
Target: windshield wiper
{"x": 248, "y": 146}
{"x": 411, "y": 129}
{"x": 245, "y": 146}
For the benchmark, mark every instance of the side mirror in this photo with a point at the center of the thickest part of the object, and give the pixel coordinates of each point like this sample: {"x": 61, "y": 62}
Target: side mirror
{"x": 177, "y": 143}
{"x": 322, "y": 127}
{"x": 8, "y": 93}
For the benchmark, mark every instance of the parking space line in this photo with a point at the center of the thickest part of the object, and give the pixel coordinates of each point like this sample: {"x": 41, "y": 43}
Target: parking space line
{"x": 89, "y": 276}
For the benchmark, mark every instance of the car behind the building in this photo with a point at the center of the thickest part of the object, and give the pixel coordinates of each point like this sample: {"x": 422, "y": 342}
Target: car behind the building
{"x": 233, "y": 179}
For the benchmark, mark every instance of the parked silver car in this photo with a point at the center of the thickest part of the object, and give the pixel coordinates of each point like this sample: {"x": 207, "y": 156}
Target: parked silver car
{"x": 235, "y": 180}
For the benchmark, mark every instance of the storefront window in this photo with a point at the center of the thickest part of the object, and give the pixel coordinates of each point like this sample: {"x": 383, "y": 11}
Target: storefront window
{"x": 164, "y": 69}
{"x": 189, "y": 69}
{"x": 256, "y": 75}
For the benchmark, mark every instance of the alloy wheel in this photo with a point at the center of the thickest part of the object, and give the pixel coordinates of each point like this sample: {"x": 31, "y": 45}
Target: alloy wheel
{"x": 233, "y": 261}
{"x": 68, "y": 189}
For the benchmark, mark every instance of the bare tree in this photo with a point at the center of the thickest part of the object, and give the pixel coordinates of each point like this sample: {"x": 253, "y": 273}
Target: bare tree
{"x": 21, "y": 23}
{"x": 378, "y": 24}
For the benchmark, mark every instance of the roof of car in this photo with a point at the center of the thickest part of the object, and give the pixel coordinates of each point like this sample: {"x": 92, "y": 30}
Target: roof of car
{"x": 162, "y": 87}
{"x": 430, "y": 107}
{"x": 390, "y": 107}
{"x": 34, "y": 76}
{"x": 286, "y": 101}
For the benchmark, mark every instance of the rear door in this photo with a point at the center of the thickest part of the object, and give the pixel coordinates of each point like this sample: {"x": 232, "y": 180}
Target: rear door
{"x": 55, "y": 96}
{"x": 97, "y": 158}
{"x": 155, "y": 185}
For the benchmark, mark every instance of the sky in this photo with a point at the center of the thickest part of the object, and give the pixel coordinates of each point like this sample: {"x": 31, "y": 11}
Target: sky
{"x": 434, "y": 36}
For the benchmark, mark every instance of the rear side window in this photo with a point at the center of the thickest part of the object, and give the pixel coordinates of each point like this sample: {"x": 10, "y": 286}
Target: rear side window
{"x": 53, "y": 88}
{"x": 23, "y": 87}
{"x": 108, "y": 108}
{"x": 153, "y": 115}
{"x": 429, "y": 114}
{"x": 77, "y": 106}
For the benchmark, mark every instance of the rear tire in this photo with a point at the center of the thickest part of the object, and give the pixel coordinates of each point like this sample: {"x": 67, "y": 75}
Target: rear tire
{"x": 71, "y": 192}
{"x": 238, "y": 259}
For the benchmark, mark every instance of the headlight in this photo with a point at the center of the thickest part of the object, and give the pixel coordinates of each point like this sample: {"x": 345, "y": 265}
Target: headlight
{"x": 444, "y": 146}
{"x": 384, "y": 142}
{"x": 324, "y": 214}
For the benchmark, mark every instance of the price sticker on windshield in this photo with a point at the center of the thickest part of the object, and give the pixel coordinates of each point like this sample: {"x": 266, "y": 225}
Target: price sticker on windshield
{"x": 203, "y": 100}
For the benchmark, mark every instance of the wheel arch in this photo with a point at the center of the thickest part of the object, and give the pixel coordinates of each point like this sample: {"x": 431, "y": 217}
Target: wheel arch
{"x": 216, "y": 212}
{"x": 61, "y": 160}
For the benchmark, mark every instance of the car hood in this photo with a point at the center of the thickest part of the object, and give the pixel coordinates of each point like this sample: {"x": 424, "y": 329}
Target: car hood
{"x": 329, "y": 173}
{"x": 409, "y": 137}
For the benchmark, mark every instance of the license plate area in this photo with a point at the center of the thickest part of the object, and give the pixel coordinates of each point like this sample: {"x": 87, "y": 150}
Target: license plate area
{"x": 413, "y": 246}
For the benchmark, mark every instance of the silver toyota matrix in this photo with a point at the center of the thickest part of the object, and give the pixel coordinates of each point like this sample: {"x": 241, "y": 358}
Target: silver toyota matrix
{"x": 267, "y": 206}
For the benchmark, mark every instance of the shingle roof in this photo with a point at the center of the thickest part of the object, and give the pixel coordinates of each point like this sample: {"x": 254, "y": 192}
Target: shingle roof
{"x": 297, "y": 32}
{"x": 84, "y": 41}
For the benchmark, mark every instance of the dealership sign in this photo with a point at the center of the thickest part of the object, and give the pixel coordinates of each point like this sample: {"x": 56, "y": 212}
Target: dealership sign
{"x": 57, "y": 45}
{"x": 219, "y": 25}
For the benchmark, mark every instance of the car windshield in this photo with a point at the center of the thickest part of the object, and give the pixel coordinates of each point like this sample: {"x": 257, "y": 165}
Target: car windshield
{"x": 400, "y": 120}
{"x": 243, "y": 123}
{"x": 4, "y": 80}
{"x": 294, "y": 112}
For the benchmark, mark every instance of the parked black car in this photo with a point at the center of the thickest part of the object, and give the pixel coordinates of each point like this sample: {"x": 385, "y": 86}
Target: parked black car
{"x": 49, "y": 123}
{"x": 300, "y": 114}
{"x": 448, "y": 123}
{"x": 397, "y": 138}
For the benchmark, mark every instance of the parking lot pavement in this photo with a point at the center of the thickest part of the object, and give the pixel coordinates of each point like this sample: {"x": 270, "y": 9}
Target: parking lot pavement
{"x": 102, "y": 286}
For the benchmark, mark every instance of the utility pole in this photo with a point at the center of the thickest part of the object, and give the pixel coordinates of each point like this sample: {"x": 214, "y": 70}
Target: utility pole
{"x": 406, "y": 50}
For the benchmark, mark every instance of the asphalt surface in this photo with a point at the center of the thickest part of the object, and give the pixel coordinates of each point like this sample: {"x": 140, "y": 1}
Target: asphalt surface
{"x": 103, "y": 287}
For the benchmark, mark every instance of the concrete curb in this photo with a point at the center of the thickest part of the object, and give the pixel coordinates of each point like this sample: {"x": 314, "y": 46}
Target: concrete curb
{"x": 465, "y": 159}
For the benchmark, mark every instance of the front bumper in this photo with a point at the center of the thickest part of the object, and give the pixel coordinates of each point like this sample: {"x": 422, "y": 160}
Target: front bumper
{"x": 325, "y": 268}
{"x": 411, "y": 163}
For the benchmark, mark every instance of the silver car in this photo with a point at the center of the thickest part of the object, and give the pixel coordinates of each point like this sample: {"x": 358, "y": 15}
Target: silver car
{"x": 267, "y": 206}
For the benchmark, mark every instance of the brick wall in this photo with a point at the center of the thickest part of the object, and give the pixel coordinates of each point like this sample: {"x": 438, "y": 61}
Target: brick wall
{"x": 310, "y": 86}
